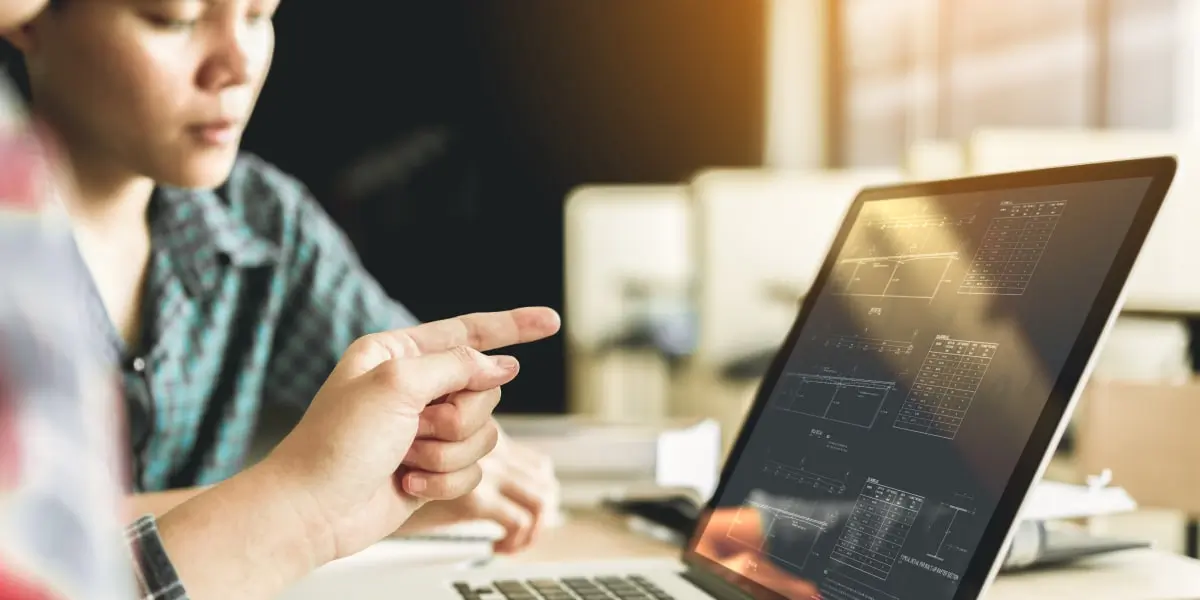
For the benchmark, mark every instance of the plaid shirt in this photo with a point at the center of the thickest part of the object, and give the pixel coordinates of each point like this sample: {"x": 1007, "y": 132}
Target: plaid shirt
{"x": 252, "y": 294}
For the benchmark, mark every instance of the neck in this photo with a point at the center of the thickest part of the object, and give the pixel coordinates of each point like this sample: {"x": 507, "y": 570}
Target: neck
{"x": 103, "y": 196}
{"x": 108, "y": 202}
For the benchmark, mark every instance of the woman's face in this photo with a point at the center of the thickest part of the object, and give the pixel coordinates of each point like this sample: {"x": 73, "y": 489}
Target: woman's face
{"x": 161, "y": 88}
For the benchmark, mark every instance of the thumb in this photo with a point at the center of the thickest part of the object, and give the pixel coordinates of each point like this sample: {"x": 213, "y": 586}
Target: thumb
{"x": 417, "y": 381}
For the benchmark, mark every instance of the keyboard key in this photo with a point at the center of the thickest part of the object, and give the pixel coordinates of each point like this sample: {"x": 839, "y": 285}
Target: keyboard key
{"x": 571, "y": 588}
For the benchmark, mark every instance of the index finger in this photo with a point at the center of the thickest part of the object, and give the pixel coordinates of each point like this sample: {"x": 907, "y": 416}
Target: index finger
{"x": 481, "y": 331}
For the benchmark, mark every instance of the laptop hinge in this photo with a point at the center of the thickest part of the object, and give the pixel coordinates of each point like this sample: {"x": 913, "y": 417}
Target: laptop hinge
{"x": 713, "y": 585}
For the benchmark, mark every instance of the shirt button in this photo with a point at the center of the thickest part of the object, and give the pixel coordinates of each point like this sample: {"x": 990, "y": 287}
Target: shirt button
{"x": 139, "y": 365}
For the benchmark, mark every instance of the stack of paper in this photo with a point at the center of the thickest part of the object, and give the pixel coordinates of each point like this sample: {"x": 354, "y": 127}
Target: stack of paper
{"x": 465, "y": 543}
{"x": 596, "y": 459}
{"x": 404, "y": 553}
{"x": 1052, "y": 500}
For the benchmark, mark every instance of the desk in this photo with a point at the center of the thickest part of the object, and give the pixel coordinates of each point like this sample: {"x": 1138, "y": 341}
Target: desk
{"x": 1132, "y": 575}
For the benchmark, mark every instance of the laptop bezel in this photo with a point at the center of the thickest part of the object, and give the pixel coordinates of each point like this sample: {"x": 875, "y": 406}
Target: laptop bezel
{"x": 1050, "y": 424}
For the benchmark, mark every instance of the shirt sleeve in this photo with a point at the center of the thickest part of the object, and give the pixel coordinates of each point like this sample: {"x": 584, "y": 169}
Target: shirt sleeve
{"x": 332, "y": 300}
{"x": 155, "y": 575}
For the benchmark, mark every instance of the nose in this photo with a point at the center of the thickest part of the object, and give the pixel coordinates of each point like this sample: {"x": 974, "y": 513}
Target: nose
{"x": 232, "y": 58}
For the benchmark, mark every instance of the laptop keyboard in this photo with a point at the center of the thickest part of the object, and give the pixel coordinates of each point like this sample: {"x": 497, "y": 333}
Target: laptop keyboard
{"x": 633, "y": 587}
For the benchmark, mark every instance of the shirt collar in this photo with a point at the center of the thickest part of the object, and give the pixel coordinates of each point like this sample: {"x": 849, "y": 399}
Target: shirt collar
{"x": 202, "y": 232}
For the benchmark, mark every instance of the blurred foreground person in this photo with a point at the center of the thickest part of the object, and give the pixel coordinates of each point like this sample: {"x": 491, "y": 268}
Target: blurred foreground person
{"x": 59, "y": 512}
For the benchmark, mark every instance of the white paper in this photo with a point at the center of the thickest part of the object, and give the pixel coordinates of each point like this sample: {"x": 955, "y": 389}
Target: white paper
{"x": 395, "y": 554}
{"x": 690, "y": 458}
{"x": 1054, "y": 500}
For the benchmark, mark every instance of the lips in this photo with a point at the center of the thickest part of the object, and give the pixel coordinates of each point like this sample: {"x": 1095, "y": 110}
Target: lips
{"x": 216, "y": 133}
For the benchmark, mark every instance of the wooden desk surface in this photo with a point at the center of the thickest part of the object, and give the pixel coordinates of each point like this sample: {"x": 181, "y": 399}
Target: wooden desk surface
{"x": 1132, "y": 575}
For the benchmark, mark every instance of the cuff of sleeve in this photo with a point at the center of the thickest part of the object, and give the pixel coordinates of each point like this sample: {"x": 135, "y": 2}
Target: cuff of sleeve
{"x": 156, "y": 576}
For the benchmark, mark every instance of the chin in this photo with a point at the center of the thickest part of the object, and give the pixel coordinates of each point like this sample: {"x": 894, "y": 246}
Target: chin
{"x": 202, "y": 169}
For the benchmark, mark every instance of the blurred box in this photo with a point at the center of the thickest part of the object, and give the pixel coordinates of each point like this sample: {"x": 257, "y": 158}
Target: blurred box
{"x": 1148, "y": 434}
{"x": 597, "y": 459}
{"x": 627, "y": 383}
{"x": 628, "y": 269}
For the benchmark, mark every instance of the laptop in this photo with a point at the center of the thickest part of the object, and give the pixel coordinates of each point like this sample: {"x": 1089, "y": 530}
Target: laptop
{"x": 916, "y": 400}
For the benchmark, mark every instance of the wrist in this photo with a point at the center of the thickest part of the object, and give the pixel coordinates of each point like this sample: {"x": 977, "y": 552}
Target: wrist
{"x": 430, "y": 515}
{"x": 296, "y": 500}
{"x": 254, "y": 533}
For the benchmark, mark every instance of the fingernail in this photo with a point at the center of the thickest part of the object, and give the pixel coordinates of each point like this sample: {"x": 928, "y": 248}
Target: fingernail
{"x": 507, "y": 363}
{"x": 416, "y": 484}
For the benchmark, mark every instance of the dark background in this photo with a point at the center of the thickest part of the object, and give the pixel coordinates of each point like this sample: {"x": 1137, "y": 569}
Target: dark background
{"x": 483, "y": 115}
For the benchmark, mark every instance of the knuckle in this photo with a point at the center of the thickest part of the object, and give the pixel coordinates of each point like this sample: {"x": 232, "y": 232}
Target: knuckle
{"x": 418, "y": 455}
{"x": 449, "y": 486}
{"x": 537, "y": 503}
{"x": 363, "y": 344}
{"x": 491, "y": 436}
{"x": 391, "y": 374}
{"x": 465, "y": 355}
{"x": 474, "y": 505}
{"x": 526, "y": 519}
{"x": 405, "y": 344}
{"x": 474, "y": 475}
{"x": 364, "y": 354}
{"x": 454, "y": 423}
{"x": 436, "y": 458}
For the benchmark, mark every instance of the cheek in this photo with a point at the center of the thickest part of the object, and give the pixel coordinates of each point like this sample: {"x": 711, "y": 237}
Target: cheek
{"x": 259, "y": 57}
{"x": 121, "y": 89}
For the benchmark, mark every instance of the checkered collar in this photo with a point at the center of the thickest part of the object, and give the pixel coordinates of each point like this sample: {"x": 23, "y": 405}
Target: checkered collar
{"x": 204, "y": 230}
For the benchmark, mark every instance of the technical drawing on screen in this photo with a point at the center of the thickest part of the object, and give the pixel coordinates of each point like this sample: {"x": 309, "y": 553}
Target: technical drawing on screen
{"x": 849, "y": 382}
{"x": 918, "y": 374}
{"x": 906, "y": 256}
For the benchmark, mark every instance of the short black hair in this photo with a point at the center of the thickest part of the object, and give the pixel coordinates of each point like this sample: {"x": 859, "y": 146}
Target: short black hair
{"x": 14, "y": 65}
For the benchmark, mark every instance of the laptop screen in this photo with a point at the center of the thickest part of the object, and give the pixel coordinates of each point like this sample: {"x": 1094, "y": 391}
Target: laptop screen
{"x": 913, "y": 387}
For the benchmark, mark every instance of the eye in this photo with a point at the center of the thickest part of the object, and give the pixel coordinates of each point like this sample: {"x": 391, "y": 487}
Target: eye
{"x": 171, "y": 24}
{"x": 175, "y": 15}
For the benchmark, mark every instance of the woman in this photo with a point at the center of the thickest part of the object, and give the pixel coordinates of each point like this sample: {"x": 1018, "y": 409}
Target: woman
{"x": 384, "y": 450}
{"x": 218, "y": 281}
